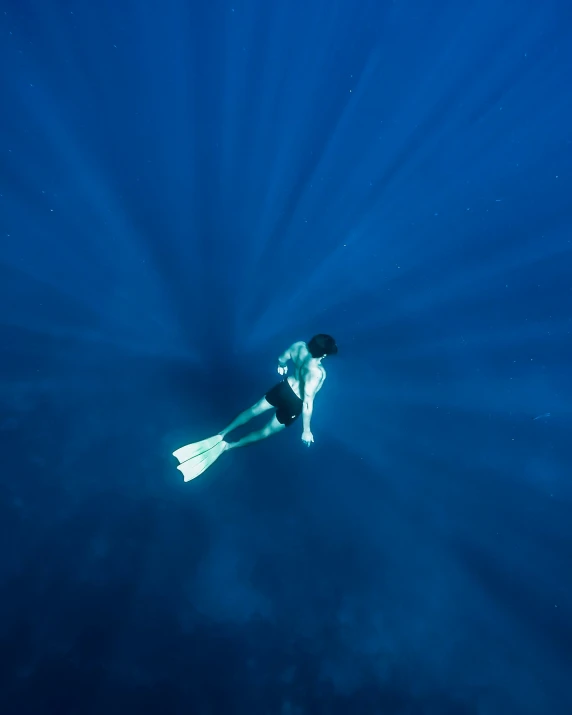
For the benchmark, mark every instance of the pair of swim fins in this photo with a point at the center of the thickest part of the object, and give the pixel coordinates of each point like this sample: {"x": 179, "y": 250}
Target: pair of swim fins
{"x": 195, "y": 458}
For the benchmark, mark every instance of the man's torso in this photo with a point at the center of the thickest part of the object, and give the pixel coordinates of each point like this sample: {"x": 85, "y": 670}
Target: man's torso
{"x": 303, "y": 369}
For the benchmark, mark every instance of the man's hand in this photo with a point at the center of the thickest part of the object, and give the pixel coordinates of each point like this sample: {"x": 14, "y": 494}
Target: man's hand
{"x": 282, "y": 369}
{"x": 307, "y": 438}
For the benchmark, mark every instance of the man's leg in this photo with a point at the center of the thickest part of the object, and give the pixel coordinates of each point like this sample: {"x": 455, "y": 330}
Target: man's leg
{"x": 244, "y": 417}
{"x": 273, "y": 427}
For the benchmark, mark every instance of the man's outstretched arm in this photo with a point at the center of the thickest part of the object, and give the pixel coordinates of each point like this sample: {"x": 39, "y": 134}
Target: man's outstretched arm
{"x": 307, "y": 409}
{"x": 311, "y": 386}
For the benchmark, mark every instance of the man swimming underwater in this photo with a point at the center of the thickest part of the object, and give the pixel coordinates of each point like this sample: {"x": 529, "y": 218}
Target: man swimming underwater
{"x": 292, "y": 397}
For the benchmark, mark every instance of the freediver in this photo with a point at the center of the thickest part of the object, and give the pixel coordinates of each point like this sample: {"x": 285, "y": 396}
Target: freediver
{"x": 292, "y": 397}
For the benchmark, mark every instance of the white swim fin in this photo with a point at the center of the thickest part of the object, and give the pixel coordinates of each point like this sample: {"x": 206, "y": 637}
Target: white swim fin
{"x": 192, "y": 450}
{"x": 195, "y": 466}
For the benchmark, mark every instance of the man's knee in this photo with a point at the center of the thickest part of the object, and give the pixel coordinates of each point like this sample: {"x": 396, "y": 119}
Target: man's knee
{"x": 272, "y": 427}
{"x": 267, "y": 430}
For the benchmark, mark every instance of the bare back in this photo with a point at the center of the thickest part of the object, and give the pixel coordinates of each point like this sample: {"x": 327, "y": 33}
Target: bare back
{"x": 306, "y": 371}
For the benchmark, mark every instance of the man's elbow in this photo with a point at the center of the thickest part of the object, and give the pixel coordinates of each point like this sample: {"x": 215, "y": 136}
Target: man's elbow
{"x": 308, "y": 406}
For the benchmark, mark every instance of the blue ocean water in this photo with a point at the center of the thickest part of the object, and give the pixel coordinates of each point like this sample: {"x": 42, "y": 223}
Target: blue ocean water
{"x": 186, "y": 188}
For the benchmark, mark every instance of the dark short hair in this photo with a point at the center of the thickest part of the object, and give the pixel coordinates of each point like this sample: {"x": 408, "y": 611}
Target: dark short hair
{"x": 322, "y": 345}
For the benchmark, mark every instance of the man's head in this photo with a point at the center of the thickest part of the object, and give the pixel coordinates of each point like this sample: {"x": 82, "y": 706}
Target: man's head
{"x": 322, "y": 345}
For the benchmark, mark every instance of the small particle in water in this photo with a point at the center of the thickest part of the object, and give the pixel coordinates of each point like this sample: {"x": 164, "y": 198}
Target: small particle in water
{"x": 542, "y": 416}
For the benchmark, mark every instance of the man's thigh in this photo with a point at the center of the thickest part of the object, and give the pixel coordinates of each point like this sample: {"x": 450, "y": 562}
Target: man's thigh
{"x": 261, "y": 406}
{"x": 273, "y": 427}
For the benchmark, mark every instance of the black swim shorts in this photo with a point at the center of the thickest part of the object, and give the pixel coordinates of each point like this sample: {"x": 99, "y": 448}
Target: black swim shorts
{"x": 288, "y": 404}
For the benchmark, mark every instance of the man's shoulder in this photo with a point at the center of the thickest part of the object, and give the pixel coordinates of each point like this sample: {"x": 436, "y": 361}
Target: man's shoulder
{"x": 300, "y": 350}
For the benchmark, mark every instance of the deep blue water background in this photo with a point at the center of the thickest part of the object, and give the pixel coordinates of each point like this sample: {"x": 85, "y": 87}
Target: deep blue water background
{"x": 187, "y": 188}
